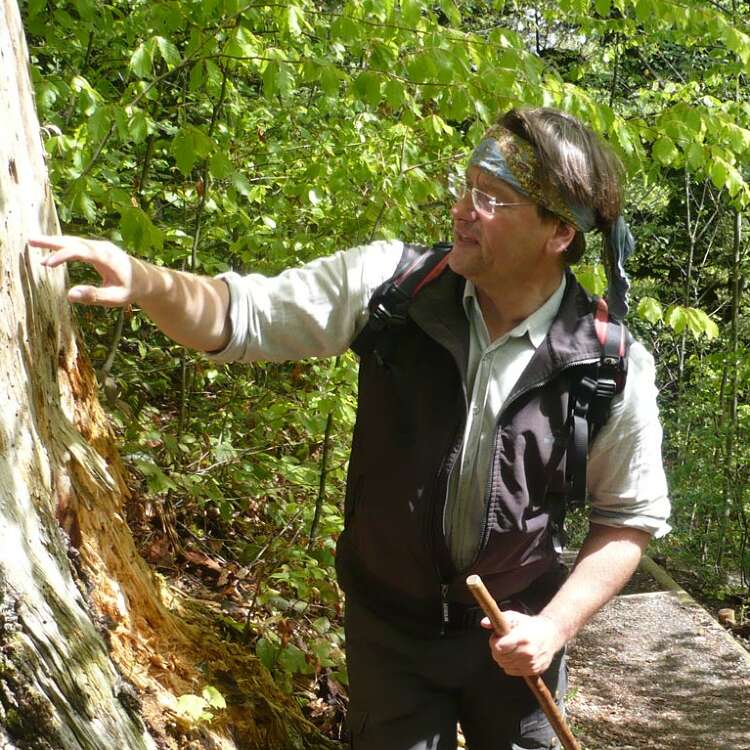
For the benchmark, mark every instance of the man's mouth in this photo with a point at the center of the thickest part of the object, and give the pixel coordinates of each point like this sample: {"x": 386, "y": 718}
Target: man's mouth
{"x": 463, "y": 236}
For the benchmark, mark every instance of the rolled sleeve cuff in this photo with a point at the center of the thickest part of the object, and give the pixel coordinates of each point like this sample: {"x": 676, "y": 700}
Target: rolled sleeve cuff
{"x": 237, "y": 314}
{"x": 657, "y": 526}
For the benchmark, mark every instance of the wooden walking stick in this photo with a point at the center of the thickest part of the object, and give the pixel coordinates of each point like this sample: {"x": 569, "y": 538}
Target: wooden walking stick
{"x": 535, "y": 682}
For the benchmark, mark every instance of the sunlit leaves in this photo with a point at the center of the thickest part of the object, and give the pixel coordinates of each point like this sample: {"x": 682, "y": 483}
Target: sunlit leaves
{"x": 650, "y": 309}
{"x": 367, "y": 87}
{"x": 695, "y": 155}
{"x": 189, "y": 146}
{"x": 410, "y": 12}
{"x": 201, "y": 708}
{"x": 243, "y": 43}
{"x": 738, "y": 42}
{"x": 725, "y": 175}
{"x": 293, "y": 20}
{"x": 592, "y": 278}
{"x": 644, "y": 10}
{"x": 138, "y": 231}
{"x": 679, "y": 318}
{"x": 738, "y": 137}
{"x": 278, "y": 79}
{"x": 139, "y": 126}
{"x": 168, "y": 52}
{"x": 143, "y": 58}
{"x": 451, "y": 11}
{"x": 574, "y": 6}
{"x": 690, "y": 319}
{"x": 346, "y": 29}
{"x": 665, "y": 151}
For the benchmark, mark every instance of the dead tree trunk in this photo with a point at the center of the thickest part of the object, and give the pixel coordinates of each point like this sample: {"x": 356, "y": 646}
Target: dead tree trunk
{"x": 93, "y": 649}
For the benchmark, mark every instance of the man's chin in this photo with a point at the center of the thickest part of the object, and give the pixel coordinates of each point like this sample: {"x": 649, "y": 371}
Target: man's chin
{"x": 459, "y": 259}
{"x": 458, "y": 262}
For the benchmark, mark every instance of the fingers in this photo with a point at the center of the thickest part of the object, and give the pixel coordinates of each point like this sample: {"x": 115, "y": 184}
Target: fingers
{"x": 66, "y": 249}
{"x": 47, "y": 241}
{"x": 511, "y": 617}
{"x": 92, "y": 295}
{"x": 519, "y": 660}
{"x": 528, "y": 648}
{"x": 109, "y": 261}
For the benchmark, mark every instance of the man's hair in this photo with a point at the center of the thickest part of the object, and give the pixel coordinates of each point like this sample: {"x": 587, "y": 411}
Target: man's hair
{"x": 572, "y": 157}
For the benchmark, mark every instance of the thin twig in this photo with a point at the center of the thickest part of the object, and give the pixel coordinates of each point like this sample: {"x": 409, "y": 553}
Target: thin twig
{"x": 116, "y": 337}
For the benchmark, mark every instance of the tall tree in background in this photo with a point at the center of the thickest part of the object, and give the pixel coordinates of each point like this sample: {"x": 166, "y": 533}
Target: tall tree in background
{"x": 92, "y": 656}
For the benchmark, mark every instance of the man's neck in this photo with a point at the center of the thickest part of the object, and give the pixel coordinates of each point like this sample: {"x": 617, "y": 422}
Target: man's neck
{"x": 504, "y": 307}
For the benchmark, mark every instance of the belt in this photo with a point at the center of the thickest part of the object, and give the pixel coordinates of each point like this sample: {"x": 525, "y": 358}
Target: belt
{"x": 462, "y": 617}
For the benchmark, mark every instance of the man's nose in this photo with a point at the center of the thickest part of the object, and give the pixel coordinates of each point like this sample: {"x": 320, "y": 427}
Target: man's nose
{"x": 463, "y": 208}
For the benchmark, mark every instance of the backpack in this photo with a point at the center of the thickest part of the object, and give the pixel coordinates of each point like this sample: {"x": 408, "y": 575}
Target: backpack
{"x": 590, "y": 398}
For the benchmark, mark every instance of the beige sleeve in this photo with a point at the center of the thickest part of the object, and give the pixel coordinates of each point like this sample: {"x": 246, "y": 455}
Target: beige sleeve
{"x": 625, "y": 472}
{"x": 312, "y": 311}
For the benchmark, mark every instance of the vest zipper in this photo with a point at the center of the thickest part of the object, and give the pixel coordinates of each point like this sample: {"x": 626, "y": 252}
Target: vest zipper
{"x": 445, "y": 609}
{"x": 438, "y": 520}
{"x": 437, "y": 527}
{"x": 491, "y": 475}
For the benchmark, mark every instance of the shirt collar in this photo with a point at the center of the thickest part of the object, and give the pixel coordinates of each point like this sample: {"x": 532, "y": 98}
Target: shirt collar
{"x": 537, "y": 325}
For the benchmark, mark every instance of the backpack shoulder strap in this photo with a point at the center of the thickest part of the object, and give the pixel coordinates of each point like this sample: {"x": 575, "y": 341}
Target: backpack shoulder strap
{"x": 591, "y": 398}
{"x": 389, "y": 304}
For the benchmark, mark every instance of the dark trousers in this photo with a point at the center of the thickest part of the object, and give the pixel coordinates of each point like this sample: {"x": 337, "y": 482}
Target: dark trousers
{"x": 408, "y": 693}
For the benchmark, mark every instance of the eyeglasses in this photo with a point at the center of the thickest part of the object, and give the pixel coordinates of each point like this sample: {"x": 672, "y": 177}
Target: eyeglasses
{"x": 483, "y": 203}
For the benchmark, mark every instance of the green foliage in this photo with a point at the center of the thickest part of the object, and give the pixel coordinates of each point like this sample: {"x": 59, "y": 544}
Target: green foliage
{"x": 592, "y": 277}
{"x": 201, "y": 708}
{"x": 681, "y": 318}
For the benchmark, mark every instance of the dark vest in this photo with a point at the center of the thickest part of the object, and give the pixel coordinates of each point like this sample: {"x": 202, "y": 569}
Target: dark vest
{"x": 392, "y": 554}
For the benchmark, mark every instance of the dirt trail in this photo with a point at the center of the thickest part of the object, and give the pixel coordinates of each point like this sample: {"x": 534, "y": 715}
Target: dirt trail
{"x": 654, "y": 671}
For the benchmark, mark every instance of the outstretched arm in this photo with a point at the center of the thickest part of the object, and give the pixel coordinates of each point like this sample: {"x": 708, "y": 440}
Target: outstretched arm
{"x": 608, "y": 557}
{"x": 188, "y": 308}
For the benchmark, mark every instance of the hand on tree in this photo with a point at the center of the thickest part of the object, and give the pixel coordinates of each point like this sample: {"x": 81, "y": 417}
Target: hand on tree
{"x": 530, "y": 645}
{"x": 118, "y": 271}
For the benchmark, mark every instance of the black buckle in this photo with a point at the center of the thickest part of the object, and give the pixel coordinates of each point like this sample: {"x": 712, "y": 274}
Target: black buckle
{"x": 587, "y": 389}
{"x": 391, "y": 310}
{"x": 606, "y": 388}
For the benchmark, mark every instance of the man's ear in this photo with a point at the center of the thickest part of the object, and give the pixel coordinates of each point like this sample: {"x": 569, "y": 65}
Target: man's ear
{"x": 563, "y": 235}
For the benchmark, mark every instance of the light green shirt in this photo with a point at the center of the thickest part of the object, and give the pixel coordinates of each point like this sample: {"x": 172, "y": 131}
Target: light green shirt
{"x": 493, "y": 369}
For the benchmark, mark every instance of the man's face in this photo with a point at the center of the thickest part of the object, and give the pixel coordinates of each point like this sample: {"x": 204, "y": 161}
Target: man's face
{"x": 510, "y": 245}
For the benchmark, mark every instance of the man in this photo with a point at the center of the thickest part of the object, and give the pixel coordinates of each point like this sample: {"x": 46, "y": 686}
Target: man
{"x": 457, "y": 460}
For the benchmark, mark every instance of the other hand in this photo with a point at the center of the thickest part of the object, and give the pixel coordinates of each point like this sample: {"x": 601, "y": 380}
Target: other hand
{"x": 116, "y": 268}
{"x": 529, "y": 647}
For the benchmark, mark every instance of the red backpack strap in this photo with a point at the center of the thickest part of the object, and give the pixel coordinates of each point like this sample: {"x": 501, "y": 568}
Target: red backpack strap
{"x": 611, "y": 333}
{"x": 590, "y": 399}
{"x": 389, "y": 304}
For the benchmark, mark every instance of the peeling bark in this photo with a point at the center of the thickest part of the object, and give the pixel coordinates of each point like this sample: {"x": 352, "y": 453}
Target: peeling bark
{"x": 94, "y": 648}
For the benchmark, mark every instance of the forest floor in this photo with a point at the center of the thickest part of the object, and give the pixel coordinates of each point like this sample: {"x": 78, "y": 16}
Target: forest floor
{"x": 654, "y": 670}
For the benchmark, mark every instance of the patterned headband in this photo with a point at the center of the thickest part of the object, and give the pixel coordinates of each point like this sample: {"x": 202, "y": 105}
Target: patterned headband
{"x": 509, "y": 157}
